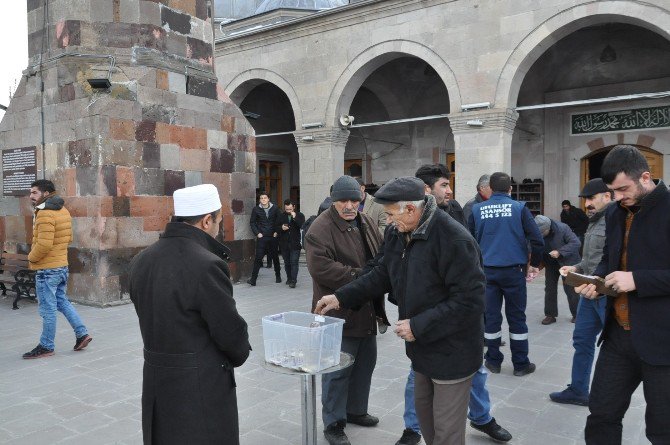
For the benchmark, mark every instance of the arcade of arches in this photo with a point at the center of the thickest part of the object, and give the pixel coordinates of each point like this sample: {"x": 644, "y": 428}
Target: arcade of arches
{"x": 433, "y": 60}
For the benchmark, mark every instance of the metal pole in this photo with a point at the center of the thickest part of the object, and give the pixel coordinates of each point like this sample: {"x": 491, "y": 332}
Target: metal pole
{"x": 308, "y": 407}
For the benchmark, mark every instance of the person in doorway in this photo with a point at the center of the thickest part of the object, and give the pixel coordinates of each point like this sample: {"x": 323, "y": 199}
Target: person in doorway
{"x": 192, "y": 333}
{"x": 561, "y": 248}
{"x": 288, "y": 227}
{"x": 504, "y": 228}
{"x": 636, "y": 264}
{"x": 575, "y": 218}
{"x": 52, "y": 233}
{"x": 590, "y": 313}
{"x": 263, "y": 222}
{"x": 431, "y": 264}
{"x": 338, "y": 244}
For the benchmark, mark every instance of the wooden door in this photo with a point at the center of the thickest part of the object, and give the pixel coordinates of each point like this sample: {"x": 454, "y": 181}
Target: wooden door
{"x": 451, "y": 164}
{"x": 270, "y": 180}
{"x": 354, "y": 168}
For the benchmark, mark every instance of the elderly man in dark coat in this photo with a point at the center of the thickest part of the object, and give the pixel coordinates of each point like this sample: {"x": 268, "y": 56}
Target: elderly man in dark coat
{"x": 561, "y": 248}
{"x": 193, "y": 335}
{"x": 338, "y": 244}
{"x": 432, "y": 265}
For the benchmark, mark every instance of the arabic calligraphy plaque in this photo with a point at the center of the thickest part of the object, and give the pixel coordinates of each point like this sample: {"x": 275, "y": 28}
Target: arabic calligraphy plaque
{"x": 620, "y": 120}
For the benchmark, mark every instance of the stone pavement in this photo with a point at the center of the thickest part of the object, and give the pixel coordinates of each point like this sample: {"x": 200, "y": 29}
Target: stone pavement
{"x": 93, "y": 396}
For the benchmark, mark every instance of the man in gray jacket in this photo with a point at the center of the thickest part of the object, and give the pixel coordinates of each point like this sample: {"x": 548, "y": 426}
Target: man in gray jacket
{"x": 561, "y": 248}
{"x": 590, "y": 313}
{"x": 484, "y": 192}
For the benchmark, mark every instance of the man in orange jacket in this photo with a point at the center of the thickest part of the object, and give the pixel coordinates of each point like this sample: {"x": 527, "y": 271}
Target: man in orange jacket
{"x": 52, "y": 232}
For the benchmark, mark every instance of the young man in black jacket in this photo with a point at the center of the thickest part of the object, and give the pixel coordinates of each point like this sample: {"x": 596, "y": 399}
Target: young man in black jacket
{"x": 636, "y": 264}
{"x": 263, "y": 221}
{"x": 288, "y": 228}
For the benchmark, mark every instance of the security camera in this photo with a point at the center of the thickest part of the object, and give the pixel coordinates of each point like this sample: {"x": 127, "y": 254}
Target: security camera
{"x": 346, "y": 120}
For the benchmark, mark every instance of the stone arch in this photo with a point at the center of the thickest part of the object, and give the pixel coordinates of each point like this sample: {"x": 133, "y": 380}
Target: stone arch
{"x": 238, "y": 88}
{"x": 374, "y": 57}
{"x": 564, "y": 23}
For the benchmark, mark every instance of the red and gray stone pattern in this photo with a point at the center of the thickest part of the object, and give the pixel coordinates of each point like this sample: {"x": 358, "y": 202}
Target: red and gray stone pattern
{"x": 117, "y": 155}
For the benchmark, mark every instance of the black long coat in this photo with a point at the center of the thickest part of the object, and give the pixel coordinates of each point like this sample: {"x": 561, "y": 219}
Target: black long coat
{"x": 193, "y": 338}
{"x": 289, "y": 239}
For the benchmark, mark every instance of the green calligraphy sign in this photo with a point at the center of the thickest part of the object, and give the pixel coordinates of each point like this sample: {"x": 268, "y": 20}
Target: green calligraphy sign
{"x": 621, "y": 120}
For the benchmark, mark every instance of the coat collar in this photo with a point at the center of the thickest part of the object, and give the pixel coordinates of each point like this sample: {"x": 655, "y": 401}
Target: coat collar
{"x": 429, "y": 209}
{"x": 183, "y": 230}
{"x": 652, "y": 198}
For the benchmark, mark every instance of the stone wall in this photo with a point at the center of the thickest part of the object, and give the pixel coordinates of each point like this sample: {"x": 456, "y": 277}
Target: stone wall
{"x": 117, "y": 155}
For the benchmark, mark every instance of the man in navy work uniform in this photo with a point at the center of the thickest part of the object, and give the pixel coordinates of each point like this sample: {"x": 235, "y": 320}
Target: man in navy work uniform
{"x": 590, "y": 313}
{"x": 503, "y": 228}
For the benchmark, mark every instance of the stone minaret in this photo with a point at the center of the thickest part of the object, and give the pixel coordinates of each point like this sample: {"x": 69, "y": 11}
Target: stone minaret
{"x": 117, "y": 154}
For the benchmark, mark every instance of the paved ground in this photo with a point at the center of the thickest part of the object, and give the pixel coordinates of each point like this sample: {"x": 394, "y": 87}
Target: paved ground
{"x": 93, "y": 396}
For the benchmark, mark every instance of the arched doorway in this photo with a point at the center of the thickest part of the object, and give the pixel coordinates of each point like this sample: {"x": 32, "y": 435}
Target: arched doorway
{"x": 396, "y": 92}
{"x": 591, "y": 163}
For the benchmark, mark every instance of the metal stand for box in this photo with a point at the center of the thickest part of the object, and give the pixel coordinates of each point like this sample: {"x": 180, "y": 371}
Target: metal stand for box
{"x": 308, "y": 393}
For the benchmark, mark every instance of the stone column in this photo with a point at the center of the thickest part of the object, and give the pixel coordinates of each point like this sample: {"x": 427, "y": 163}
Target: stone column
{"x": 483, "y": 144}
{"x": 321, "y": 153}
{"x": 117, "y": 154}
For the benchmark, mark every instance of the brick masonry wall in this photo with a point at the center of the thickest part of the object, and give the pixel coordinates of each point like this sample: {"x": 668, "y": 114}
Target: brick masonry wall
{"x": 117, "y": 156}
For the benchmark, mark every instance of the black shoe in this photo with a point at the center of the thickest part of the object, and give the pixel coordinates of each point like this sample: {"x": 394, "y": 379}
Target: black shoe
{"x": 495, "y": 369}
{"x": 525, "y": 371}
{"x": 251, "y": 281}
{"x": 495, "y": 431}
{"x": 548, "y": 320}
{"x": 38, "y": 352}
{"x": 82, "y": 342}
{"x": 570, "y": 396}
{"x": 292, "y": 285}
{"x": 362, "y": 419}
{"x": 278, "y": 279}
{"x": 409, "y": 437}
{"x": 335, "y": 434}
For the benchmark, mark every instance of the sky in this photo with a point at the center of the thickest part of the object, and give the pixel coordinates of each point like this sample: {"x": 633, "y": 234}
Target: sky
{"x": 14, "y": 46}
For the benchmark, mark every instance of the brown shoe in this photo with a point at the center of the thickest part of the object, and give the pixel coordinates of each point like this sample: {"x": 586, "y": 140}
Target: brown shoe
{"x": 548, "y": 320}
{"x": 82, "y": 342}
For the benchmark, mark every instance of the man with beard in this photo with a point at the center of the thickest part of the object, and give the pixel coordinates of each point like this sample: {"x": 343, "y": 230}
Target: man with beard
{"x": 590, "y": 313}
{"x": 193, "y": 335}
{"x": 436, "y": 177}
{"x": 575, "y": 218}
{"x": 288, "y": 228}
{"x": 636, "y": 264}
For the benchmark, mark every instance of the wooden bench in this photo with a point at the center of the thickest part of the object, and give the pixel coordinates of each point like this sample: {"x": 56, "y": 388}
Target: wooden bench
{"x": 15, "y": 275}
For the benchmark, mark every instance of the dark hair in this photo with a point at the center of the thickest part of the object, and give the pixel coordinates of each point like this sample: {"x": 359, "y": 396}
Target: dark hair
{"x": 566, "y": 203}
{"x": 193, "y": 220}
{"x": 624, "y": 159}
{"x": 360, "y": 181}
{"x": 500, "y": 182}
{"x": 44, "y": 185}
{"x": 430, "y": 174}
{"x": 288, "y": 202}
{"x": 263, "y": 192}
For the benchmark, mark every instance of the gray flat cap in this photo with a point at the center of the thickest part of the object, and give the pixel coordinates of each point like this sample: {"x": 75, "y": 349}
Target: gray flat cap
{"x": 407, "y": 188}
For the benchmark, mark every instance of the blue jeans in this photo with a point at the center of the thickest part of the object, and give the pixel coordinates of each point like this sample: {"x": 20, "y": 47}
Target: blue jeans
{"x": 478, "y": 408}
{"x": 588, "y": 324}
{"x": 51, "y": 285}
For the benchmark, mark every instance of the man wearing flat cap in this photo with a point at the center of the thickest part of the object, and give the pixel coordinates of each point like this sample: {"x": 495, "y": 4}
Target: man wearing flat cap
{"x": 338, "y": 244}
{"x": 590, "y": 313}
{"x": 432, "y": 265}
{"x": 193, "y": 335}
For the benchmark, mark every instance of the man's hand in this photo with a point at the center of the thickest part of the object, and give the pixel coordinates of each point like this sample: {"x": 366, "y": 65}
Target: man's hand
{"x": 532, "y": 273}
{"x": 274, "y": 235}
{"x": 554, "y": 254}
{"x": 587, "y": 291}
{"x": 293, "y": 215}
{"x": 325, "y": 304}
{"x": 403, "y": 330}
{"x": 566, "y": 269}
{"x": 620, "y": 281}
{"x": 260, "y": 235}
{"x": 284, "y": 227}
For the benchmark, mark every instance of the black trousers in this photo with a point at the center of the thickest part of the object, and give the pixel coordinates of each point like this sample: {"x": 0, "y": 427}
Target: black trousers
{"x": 551, "y": 277}
{"x": 619, "y": 371}
{"x": 291, "y": 258}
{"x": 262, "y": 246}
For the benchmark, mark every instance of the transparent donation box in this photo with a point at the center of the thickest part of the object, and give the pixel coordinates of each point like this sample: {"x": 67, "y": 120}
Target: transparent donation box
{"x": 302, "y": 341}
